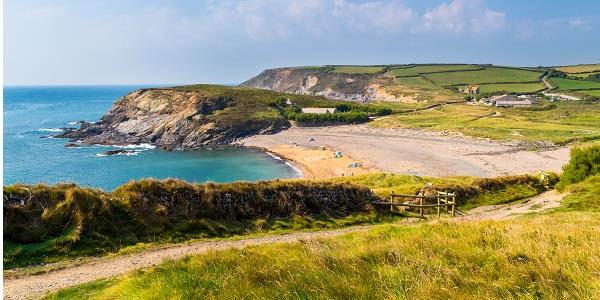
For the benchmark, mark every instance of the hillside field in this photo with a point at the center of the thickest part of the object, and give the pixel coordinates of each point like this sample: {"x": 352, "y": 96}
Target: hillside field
{"x": 488, "y": 75}
{"x": 574, "y": 85}
{"x": 558, "y": 123}
{"x": 511, "y": 87}
{"x": 423, "y": 69}
{"x": 357, "y": 69}
{"x": 586, "y": 68}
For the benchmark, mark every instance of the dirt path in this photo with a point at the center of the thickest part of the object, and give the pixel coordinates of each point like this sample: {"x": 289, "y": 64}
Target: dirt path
{"x": 35, "y": 286}
{"x": 541, "y": 202}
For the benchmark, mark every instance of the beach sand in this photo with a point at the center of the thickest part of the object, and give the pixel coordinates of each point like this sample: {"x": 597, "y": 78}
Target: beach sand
{"x": 319, "y": 163}
{"x": 403, "y": 151}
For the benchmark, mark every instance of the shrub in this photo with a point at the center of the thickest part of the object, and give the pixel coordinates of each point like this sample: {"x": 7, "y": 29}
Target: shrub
{"x": 344, "y": 117}
{"x": 583, "y": 164}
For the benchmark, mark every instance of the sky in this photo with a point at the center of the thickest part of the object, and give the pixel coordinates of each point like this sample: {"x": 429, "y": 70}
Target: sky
{"x": 73, "y": 42}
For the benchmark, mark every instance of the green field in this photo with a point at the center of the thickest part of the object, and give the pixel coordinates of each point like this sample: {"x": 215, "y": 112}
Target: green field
{"x": 420, "y": 69}
{"x": 579, "y": 68}
{"x": 565, "y": 122}
{"x": 357, "y": 69}
{"x": 595, "y": 93}
{"x": 416, "y": 81}
{"x": 582, "y": 75}
{"x": 570, "y": 84}
{"x": 511, "y": 87}
{"x": 489, "y": 75}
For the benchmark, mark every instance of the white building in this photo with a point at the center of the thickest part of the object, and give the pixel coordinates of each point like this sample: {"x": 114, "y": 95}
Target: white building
{"x": 318, "y": 110}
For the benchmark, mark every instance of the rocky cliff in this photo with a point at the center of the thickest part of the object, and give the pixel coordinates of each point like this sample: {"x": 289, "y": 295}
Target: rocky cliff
{"x": 322, "y": 81}
{"x": 182, "y": 118}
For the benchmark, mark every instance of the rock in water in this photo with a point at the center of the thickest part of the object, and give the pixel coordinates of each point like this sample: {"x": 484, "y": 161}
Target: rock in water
{"x": 182, "y": 118}
{"x": 117, "y": 152}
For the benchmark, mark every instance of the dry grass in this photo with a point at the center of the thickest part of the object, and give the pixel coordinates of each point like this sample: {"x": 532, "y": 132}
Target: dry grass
{"x": 580, "y": 68}
{"x": 551, "y": 257}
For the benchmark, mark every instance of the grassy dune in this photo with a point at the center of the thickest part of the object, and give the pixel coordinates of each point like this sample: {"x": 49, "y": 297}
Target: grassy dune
{"x": 561, "y": 123}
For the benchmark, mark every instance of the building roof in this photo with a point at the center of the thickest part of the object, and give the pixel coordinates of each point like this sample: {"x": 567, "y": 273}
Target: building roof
{"x": 318, "y": 110}
{"x": 512, "y": 102}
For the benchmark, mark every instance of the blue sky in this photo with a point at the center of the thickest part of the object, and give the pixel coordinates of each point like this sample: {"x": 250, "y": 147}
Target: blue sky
{"x": 50, "y": 42}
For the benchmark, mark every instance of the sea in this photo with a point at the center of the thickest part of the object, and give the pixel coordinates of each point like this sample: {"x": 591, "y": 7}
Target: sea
{"x": 33, "y": 113}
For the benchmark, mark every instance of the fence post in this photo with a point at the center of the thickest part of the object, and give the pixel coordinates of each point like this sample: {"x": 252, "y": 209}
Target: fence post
{"x": 421, "y": 208}
{"x": 453, "y": 205}
{"x": 438, "y": 208}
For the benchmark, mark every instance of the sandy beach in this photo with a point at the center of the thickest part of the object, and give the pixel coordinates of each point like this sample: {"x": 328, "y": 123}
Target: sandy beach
{"x": 403, "y": 151}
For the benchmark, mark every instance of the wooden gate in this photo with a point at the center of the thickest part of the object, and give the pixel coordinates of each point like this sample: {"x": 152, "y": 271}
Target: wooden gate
{"x": 444, "y": 199}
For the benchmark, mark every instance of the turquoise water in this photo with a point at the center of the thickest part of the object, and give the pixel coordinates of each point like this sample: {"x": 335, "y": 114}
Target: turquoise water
{"x": 31, "y": 113}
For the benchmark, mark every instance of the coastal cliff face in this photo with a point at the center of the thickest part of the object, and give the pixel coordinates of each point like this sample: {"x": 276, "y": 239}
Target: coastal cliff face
{"x": 323, "y": 81}
{"x": 179, "y": 119}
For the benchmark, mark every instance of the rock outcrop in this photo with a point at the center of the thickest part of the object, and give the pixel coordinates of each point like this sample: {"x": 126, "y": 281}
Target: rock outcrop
{"x": 180, "y": 119}
{"x": 321, "y": 81}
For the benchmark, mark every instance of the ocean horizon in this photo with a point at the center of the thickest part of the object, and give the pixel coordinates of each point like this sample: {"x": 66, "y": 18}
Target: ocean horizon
{"x": 32, "y": 114}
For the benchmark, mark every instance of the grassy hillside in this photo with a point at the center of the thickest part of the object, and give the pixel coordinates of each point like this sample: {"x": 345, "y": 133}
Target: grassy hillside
{"x": 424, "y": 69}
{"x": 488, "y": 75}
{"x": 445, "y": 260}
{"x": 544, "y": 257}
{"x": 357, "y": 69}
{"x": 574, "y": 85}
{"x": 260, "y": 104}
{"x": 413, "y": 83}
{"x": 511, "y": 87}
{"x": 560, "y": 122}
{"x": 579, "y": 68}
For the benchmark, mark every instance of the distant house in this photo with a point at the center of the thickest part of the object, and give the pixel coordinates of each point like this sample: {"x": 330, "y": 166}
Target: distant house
{"x": 509, "y": 101}
{"x": 471, "y": 89}
{"x": 318, "y": 110}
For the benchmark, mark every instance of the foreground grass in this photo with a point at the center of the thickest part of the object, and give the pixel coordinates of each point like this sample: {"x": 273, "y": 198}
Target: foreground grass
{"x": 565, "y": 122}
{"x": 552, "y": 256}
{"x": 146, "y": 214}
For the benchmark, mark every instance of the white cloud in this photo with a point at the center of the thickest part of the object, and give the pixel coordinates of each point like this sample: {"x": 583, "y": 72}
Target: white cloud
{"x": 390, "y": 16}
{"x": 579, "y": 23}
{"x": 460, "y": 16}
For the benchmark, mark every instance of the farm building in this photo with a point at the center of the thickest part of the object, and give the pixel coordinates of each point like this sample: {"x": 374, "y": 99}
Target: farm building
{"x": 318, "y": 110}
{"x": 509, "y": 101}
{"x": 471, "y": 89}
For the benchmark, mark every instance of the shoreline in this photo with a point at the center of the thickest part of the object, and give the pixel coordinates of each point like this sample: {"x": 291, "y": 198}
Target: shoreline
{"x": 313, "y": 163}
